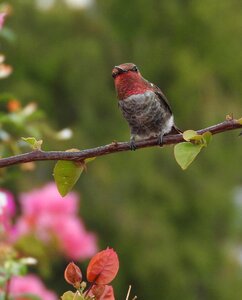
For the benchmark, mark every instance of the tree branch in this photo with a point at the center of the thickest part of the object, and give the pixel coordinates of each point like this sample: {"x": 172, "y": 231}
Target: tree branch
{"x": 110, "y": 148}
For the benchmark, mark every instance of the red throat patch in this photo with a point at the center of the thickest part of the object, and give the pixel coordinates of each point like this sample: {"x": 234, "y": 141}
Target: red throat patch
{"x": 130, "y": 83}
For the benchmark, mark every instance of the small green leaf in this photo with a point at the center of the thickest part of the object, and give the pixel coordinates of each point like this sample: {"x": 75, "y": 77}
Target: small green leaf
{"x": 35, "y": 144}
{"x": 192, "y": 136}
{"x": 68, "y": 296}
{"x": 189, "y": 134}
{"x": 72, "y": 296}
{"x": 207, "y": 137}
{"x": 185, "y": 153}
{"x": 15, "y": 268}
{"x": 240, "y": 121}
{"x": 90, "y": 159}
{"x": 66, "y": 174}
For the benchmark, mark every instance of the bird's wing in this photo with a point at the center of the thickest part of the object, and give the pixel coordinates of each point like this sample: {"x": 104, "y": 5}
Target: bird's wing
{"x": 165, "y": 102}
{"x": 161, "y": 96}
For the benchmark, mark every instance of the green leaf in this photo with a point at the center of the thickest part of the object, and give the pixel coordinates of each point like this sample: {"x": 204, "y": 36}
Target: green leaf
{"x": 35, "y": 144}
{"x": 90, "y": 159}
{"x": 66, "y": 174}
{"x": 189, "y": 134}
{"x": 72, "y": 296}
{"x": 15, "y": 268}
{"x": 207, "y": 137}
{"x": 68, "y": 296}
{"x": 185, "y": 153}
{"x": 192, "y": 136}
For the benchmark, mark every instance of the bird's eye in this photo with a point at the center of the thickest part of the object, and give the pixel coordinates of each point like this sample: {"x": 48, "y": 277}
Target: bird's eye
{"x": 135, "y": 69}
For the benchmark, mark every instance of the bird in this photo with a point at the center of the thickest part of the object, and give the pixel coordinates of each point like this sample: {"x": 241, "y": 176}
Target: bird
{"x": 143, "y": 105}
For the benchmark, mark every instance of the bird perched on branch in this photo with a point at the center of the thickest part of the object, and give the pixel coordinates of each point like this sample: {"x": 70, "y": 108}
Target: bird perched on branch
{"x": 143, "y": 105}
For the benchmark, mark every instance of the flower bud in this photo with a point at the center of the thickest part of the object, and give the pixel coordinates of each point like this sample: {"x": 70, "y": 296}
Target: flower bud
{"x": 73, "y": 275}
{"x": 83, "y": 285}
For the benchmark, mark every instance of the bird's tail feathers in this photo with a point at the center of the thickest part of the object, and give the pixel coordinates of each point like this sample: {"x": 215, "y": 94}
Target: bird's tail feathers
{"x": 175, "y": 130}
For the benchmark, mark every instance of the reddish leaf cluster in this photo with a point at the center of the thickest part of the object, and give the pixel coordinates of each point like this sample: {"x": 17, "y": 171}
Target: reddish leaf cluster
{"x": 73, "y": 275}
{"x": 103, "y": 267}
{"x": 101, "y": 270}
{"x": 102, "y": 292}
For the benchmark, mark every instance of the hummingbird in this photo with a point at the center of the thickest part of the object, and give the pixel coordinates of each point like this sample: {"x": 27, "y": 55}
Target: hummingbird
{"x": 143, "y": 105}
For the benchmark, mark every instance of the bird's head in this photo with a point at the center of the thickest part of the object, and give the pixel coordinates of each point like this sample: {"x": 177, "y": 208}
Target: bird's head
{"x": 126, "y": 70}
{"x": 128, "y": 80}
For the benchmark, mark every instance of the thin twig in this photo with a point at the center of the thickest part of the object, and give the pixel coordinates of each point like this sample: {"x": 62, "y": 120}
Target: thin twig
{"x": 110, "y": 148}
{"x": 127, "y": 297}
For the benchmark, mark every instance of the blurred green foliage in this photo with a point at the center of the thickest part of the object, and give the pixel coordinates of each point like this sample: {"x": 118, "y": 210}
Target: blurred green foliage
{"x": 173, "y": 230}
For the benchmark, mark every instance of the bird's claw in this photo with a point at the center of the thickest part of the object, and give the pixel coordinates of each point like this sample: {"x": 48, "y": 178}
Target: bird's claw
{"x": 132, "y": 145}
{"x": 160, "y": 140}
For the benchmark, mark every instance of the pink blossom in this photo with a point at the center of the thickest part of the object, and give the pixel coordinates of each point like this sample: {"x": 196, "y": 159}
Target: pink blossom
{"x": 75, "y": 242}
{"x": 46, "y": 214}
{"x": 2, "y": 19}
{"x": 46, "y": 200}
{"x": 30, "y": 284}
{"x": 7, "y": 209}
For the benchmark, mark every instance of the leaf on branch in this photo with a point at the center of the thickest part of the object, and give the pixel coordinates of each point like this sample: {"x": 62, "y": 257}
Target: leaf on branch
{"x": 188, "y": 135}
{"x": 185, "y": 153}
{"x": 35, "y": 144}
{"x": 103, "y": 267}
{"x": 207, "y": 137}
{"x": 66, "y": 173}
{"x": 193, "y": 137}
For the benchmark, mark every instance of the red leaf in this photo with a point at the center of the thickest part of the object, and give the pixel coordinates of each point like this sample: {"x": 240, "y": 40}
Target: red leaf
{"x": 108, "y": 293}
{"x": 73, "y": 274}
{"x": 103, "y": 267}
{"x": 103, "y": 292}
{"x": 97, "y": 291}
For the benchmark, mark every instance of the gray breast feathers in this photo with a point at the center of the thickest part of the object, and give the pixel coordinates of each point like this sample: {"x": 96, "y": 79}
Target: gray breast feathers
{"x": 146, "y": 115}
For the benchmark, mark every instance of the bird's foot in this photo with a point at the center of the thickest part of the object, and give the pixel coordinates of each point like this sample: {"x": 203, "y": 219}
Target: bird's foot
{"x": 132, "y": 145}
{"x": 160, "y": 140}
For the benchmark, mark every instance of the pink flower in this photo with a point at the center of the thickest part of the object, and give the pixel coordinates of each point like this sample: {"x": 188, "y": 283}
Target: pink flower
{"x": 30, "y": 284}
{"x": 46, "y": 214}
{"x": 47, "y": 200}
{"x": 2, "y": 19}
{"x": 7, "y": 209}
{"x": 74, "y": 241}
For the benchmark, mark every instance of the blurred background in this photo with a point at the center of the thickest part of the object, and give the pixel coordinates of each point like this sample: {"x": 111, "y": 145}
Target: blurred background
{"x": 178, "y": 233}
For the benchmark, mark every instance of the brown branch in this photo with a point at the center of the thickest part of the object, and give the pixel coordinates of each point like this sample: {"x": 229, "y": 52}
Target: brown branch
{"x": 110, "y": 148}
